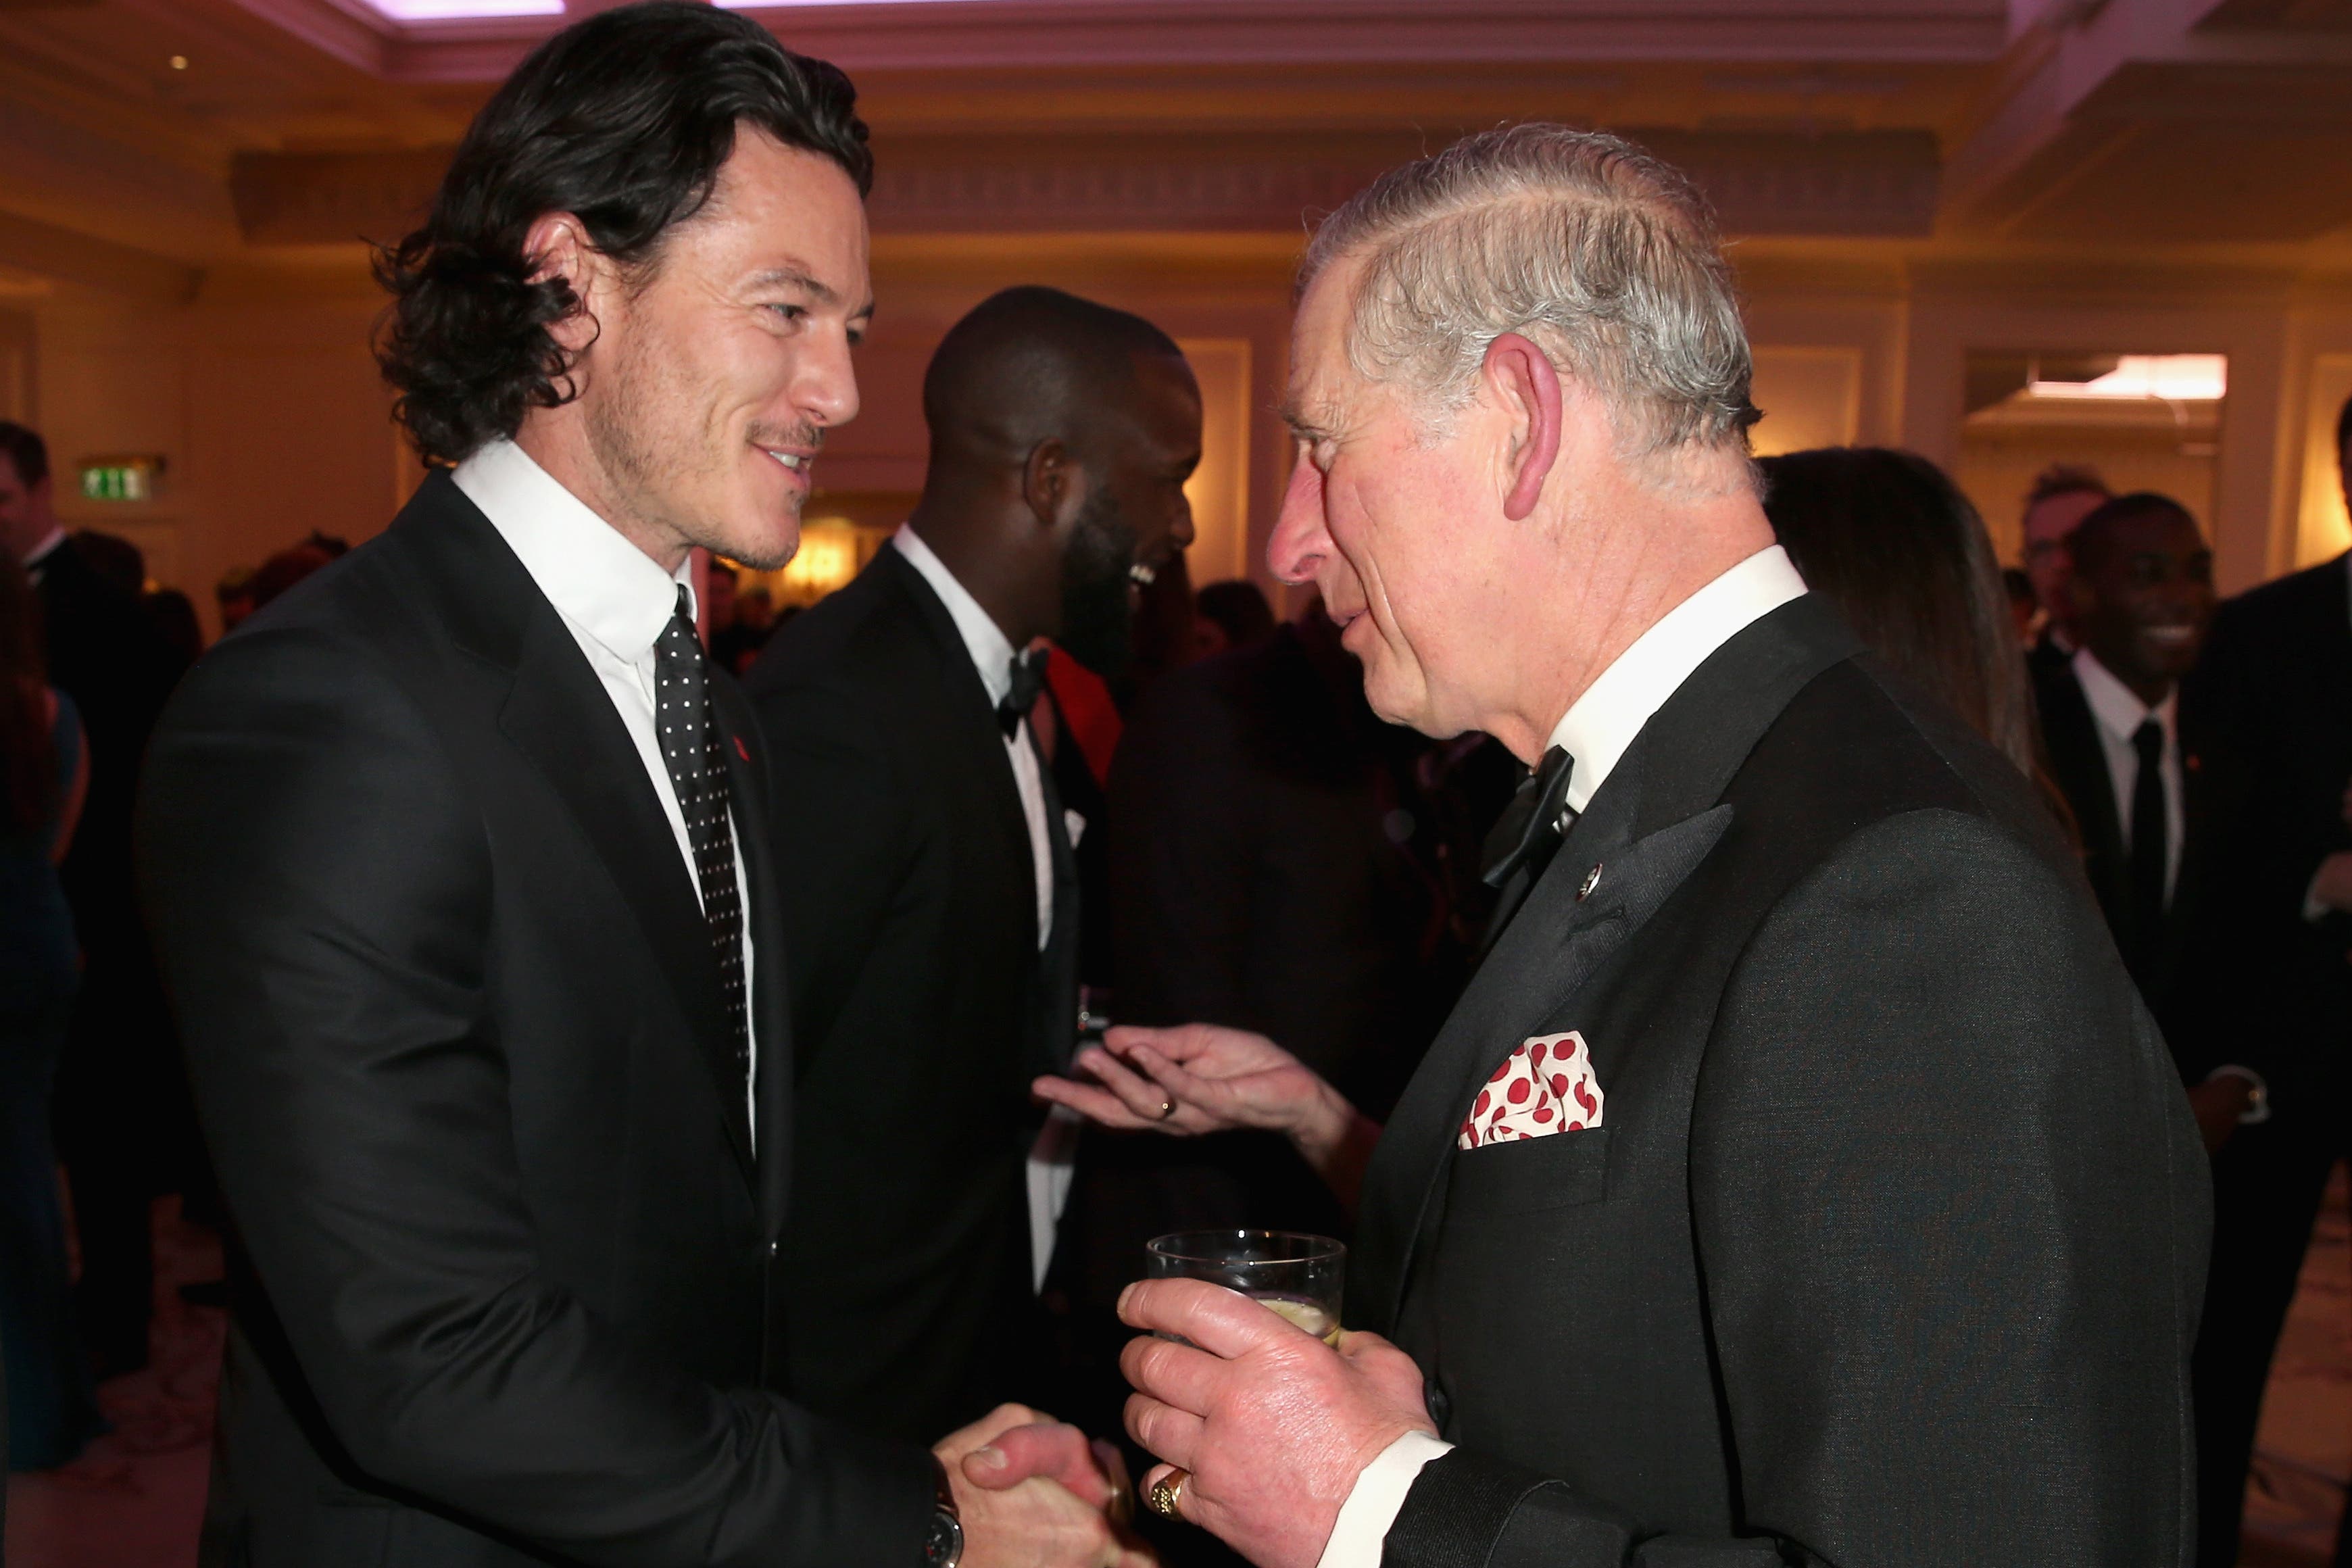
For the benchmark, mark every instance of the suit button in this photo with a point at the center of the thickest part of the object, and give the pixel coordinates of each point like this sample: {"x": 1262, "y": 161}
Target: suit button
{"x": 775, "y": 1249}
{"x": 1441, "y": 1409}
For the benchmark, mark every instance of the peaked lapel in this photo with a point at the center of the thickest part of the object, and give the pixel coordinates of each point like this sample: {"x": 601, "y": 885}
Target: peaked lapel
{"x": 1653, "y": 823}
{"x": 558, "y": 715}
{"x": 977, "y": 736}
{"x": 2070, "y": 736}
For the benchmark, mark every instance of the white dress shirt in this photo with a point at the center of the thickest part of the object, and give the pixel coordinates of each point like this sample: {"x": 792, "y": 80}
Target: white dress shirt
{"x": 2118, "y": 713}
{"x": 1597, "y": 730}
{"x": 1052, "y": 1159}
{"x": 616, "y": 602}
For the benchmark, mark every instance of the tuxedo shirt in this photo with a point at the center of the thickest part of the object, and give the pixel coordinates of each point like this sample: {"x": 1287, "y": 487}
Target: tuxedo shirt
{"x": 2119, "y": 713}
{"x": 1595, "y": 732}
{"x": 615, "y": 601}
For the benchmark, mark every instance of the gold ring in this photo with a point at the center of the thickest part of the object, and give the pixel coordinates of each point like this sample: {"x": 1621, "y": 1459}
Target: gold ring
{"x": 1166, "y": 1497}
{"x": 1167, "y": 1109}
{"x": 1120, "y": 1508}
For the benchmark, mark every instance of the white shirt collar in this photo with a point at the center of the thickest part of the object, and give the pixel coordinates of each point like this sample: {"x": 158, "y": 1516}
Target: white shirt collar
{"x": 2117, "y": 707}
{"x": 596, "y": 578}
{"x": 991, "y": 649}
{"x": 1600, "y": 725}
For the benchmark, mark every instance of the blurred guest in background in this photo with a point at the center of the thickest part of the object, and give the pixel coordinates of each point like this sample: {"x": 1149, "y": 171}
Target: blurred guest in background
{"x": 2024, "y": 609}
{"x": 52, "y": 1409}
{"x": 2276, "y": 688}
{"x": 286, "y": 568}
{"x": 739, "y": 622}
{"x": 121, "y": 563}
{"x": 2127, "y": 751}
{"x": 2062, "y": 495}
{"x": 1896, "y": 548}
{"x": 1227, "y": 614}
{"x": 173, "y": 615}
{"x": 121, "y": 1117}
{"x": 234, "y": 595}
{"x": 931, "y": 928}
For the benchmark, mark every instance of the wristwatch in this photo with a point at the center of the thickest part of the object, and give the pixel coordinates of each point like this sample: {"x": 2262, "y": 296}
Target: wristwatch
{"x": 943, "y": 1542}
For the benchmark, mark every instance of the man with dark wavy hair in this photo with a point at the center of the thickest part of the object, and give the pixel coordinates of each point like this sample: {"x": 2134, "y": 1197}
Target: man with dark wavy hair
{"x": 472, "y": 930}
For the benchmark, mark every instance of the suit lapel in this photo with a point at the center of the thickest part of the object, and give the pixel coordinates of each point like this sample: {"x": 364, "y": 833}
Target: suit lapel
{"x": 1651, "y": 826}
{"x": 560, "y": 718}
{"x": 977, "y": 737}
{"x": 1554, "y": 945}
{"x": 2071, "y": 735}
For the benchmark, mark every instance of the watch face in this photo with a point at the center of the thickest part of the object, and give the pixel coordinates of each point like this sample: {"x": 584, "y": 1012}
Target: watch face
{"x": 943, "y": 1545}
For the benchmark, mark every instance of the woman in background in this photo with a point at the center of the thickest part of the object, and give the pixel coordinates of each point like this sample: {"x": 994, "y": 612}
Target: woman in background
{"x": 1891, "y": 542}
{"x": 43, "y": 769}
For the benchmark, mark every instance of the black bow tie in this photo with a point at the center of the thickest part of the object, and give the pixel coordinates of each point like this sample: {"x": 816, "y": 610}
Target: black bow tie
{"x": 1533, "y": 824}
{"x": 1028, "y": 680}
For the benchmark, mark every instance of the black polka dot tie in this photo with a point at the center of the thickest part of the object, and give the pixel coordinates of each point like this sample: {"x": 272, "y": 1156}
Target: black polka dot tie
{"x": 698, "y": 771}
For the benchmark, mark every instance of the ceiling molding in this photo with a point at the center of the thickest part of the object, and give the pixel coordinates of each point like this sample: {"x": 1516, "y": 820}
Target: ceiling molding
{"x": 51, "y": 252}
{"x": 1875, "y": 184}
{"x": 985, "y": 35}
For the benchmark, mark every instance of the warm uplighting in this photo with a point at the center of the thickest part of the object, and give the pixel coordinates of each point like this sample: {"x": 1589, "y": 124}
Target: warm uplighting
{"x": 2177, "y": 378}
{"x": 828, "y": 560}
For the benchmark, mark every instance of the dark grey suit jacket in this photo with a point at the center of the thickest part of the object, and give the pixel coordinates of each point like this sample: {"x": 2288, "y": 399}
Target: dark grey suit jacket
{"x": 507, "y": 1288}
{"x": 1889, "y": 1247}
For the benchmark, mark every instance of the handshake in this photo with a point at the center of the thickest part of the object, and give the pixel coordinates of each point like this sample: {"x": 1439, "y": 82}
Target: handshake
{"x": 1032, "y": 1493}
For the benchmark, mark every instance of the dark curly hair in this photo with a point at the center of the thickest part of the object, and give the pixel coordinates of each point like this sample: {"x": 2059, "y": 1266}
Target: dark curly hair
{"x": 623, "y": 120}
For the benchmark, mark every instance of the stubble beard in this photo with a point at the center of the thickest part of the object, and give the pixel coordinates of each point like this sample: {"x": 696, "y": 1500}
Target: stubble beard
{"x": 638, "y": 451}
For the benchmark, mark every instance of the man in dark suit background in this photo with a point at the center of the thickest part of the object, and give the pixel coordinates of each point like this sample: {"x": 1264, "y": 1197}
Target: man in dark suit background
{"x": 470, "y": 916}
{"x": 118, "y": 1083}
{"x": 1800, "y": 1179}
{"x": 932, "y": 938}
{"x": 2275, "y": 684}
{"x": 2062, "y": 495}
{"x": 2128, "y": 750}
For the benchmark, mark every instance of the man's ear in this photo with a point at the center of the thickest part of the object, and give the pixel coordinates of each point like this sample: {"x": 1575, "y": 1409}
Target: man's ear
{"x": 1521, "y": 375}
{"x": 558, "y": 247}
{"x": 1052, "y": 483}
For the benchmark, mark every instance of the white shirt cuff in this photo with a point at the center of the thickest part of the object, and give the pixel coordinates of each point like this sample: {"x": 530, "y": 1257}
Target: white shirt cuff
{"x": 1362, "y": 1527}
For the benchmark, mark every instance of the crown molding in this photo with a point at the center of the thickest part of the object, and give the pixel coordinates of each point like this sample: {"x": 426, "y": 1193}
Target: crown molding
{"x": 984, "y": 34}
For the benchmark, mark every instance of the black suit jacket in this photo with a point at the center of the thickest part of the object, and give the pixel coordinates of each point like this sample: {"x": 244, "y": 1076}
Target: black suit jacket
{"x": 921, "y": 1006}
{"x": 2275, "y": 684}
{"x": 104, "y": 653}
{"x": 1889, "y": 1245}
{"x": 509, "y": 1288}
{"x": 2077, "y": 761}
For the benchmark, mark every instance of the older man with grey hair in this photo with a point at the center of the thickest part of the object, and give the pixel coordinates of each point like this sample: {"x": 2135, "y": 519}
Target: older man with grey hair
{"x": 1800, "y": 1180}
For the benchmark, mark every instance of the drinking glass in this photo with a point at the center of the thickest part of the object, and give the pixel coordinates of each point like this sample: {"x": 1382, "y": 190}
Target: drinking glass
{"x": 1289, "y": 1272}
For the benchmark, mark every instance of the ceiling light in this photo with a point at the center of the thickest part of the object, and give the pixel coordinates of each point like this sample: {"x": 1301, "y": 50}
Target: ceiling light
{"x": 179, "y": 62}
{"x": 2176, "y": 378}
{"x": 456, "y": 10}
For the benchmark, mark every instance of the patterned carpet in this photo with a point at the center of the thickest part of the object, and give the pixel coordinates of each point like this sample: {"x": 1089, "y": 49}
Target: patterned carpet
{"x": 134, "y": 1500}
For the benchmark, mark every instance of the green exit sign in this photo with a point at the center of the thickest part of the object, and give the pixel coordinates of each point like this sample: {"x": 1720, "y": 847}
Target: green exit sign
{"x": 120, "y": 478}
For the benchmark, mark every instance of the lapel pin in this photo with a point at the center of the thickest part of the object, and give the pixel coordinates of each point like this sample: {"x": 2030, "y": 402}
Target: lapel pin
{"x": 741, "y": 750}
{"x": 1592, "y": 880}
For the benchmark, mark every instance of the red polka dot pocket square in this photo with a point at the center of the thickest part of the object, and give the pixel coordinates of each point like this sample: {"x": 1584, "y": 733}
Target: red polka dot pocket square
{"x": 1546, "y": 1086}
